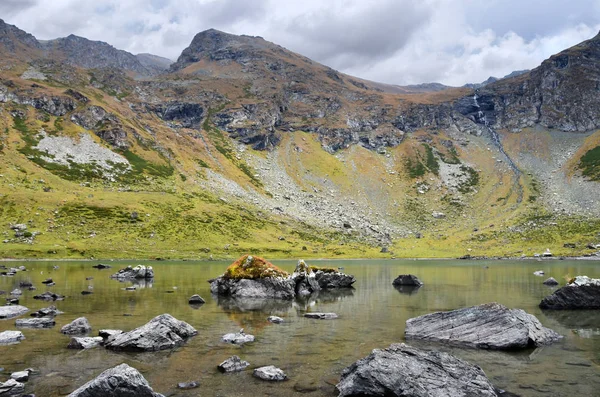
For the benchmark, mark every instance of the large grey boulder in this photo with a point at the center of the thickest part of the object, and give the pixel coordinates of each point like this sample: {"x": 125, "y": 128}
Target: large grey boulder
{"x": 120, "y": 381}
{"x": 11, "y": 337}
{"x": 487, "y": 326}
{"x": 43, "y": 322}
{"x": 270, "y": 373}
{"x": 11, "y": 388}
{"x": 78, "y": 326}
{"x": 130, "y": 272}
{"x": 162, "y": 332}
{"x": 12, "y": 311}
{"x": 268, "y": 287}
{"x": 331, "y": 280}
{"x": 402, "y": 370}
{"x": 233, "y": 364}
{"x": 581, "y": 293}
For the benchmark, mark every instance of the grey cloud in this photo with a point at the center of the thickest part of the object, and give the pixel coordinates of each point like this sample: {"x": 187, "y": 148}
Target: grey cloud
{"x": 344, "y": 40}
{"x": 13, "y": 7}
{"x": 227, "y": 12}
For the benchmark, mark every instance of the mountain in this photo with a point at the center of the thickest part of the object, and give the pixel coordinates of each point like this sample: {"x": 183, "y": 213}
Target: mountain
{"x": 493, "y": 79}
{"x": 244, "y": 146}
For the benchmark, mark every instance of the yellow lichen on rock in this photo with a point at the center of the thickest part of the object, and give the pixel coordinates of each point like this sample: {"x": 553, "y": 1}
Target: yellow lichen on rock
{"x": 253, "y": 267}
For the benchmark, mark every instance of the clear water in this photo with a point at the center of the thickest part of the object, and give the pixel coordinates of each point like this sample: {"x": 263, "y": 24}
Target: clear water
{"x": 311, "y": 352}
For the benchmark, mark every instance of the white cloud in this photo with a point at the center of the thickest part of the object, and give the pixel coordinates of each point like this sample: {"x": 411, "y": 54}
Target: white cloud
{"x": 395, "y": 41}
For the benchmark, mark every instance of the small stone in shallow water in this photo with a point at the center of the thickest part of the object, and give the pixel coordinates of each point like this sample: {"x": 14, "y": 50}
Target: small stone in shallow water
{"x": 270, "y": 373}
{"x": 77, "y": 327}
{"x": 196, "y": 300}
{"x": 550, "y": 281}
{"x": 238, "y": 338}
{"x": 188, "y": 385}
{"x": 275, "y": 319}
{"x": 233, "y": 364}
{"x": 321, "y": 316}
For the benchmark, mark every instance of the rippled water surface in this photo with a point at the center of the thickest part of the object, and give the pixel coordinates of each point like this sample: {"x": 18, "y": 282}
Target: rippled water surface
{"x": 311, "y": 352}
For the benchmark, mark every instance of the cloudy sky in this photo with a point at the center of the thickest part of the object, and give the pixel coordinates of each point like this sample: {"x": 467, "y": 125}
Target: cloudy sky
{"x": 392, "y": 41}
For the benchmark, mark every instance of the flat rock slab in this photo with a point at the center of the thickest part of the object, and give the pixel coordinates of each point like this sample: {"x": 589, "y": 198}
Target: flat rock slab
{"x": 42, "y": 322}
{"x": 238, "y": 338}
{"x": 407, "y": 279}
{"x": 85, "y": 342}
{"x": 11, "y": 388}
{"x": 321, "y": 316}
{"x": 402, "y": 370}
{"x": 270, "y": 373}
{"x": 121, "y": 380}
{"x": 79, "y": 326}
{"x": 12, "y": 311}
{"x": 162, "y": 332}
{"x": 130, "y": 272}
{"x": 11, "y": 337}
{"x": 233, "y": 364}
{"x": 488, "y": 326}
{"x": 582, "y": 293}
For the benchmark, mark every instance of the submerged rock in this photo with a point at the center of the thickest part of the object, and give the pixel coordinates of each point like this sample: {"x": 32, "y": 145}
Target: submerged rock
{"x": 121, "y": 380}
{"x": 49, "y": 296}
{"x": 11, "y": 388}
{"x": 101, "y": 266}
{"x": 238, "y": 338}
{"x": 408, "y": 280}
{"x": 130, "y": 272}
{"x": 11, "y": 337}
{"x": 270, "y": 373}
{"x": 402, "y": 370}
{"x": 581, "y": 293}
{"x": 253, "y": 277}
{"x": 487, "y": 326}
{"x": 321, "y": 316}
{"x": 78, "y": 326}
{"x": 162, "y": 332}
{"x": 12, "y": 311}
{"x": 43, "y": 322}
{"x": 550, "y": 281}
{"x": 233, "y": 364}
{"x": 85, "y": 343}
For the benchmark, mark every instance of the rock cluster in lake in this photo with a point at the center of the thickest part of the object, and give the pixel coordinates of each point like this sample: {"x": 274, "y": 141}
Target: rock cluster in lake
{"x": 581, "y": 293}
{"x": 487, "y": 326}
{"x": 254, "y": 277}
{"x": 121, "y": 380}
{"x": 162, "y": 332}
{"x": 402, "y": 370}
{"x": 138, "y": 272}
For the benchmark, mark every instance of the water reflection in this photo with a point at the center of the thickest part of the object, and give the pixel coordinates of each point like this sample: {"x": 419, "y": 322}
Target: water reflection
{"x": 408, "y": 289}
{"x": 138, "y": 283}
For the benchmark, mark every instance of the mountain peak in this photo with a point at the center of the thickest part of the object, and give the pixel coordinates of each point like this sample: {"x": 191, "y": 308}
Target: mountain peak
{"x": 216, "y": 45}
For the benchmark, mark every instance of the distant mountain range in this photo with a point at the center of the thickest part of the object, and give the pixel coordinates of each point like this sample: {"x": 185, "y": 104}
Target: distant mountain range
{"x": 241, "y": 145}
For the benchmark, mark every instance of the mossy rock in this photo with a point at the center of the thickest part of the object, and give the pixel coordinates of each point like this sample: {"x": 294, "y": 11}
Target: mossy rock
{"x": 252, "y": 267}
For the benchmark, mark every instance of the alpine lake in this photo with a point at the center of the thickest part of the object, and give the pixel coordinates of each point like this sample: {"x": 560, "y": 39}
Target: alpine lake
{"x": 311, "y": 352}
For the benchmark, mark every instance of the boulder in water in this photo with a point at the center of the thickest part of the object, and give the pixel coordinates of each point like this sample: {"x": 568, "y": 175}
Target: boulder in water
{"x": 487, "y": 326}
{"x": 550, "y": 281}
{"x": 138, "y": 272}
{"x": 402, "y": 370}
{"x": 581, "y": 292}
{"x": 233, "y": 364}
{"x": 196, "y": 300}
{"x": 11, "y": 337}
{"x": 11, "y": 388}
{"x": 78, "y": 326}
{"x": 270, "y": 373}
{"x": 238, "y": 338}
{"x": 121, "y": 380}
{"x": 408, "y": 280}
{"x": 162, "y": 332}
{"x": 42, "y": 322}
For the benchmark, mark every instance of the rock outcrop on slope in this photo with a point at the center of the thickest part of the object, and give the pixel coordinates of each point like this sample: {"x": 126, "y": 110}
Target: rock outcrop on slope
{"x": 581, "y": 293}
{"x": 487, "y": 326}
{"x": 121, "y": 380}
{"x": 402, "y": 370}
{"x": 162, "y": 332}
